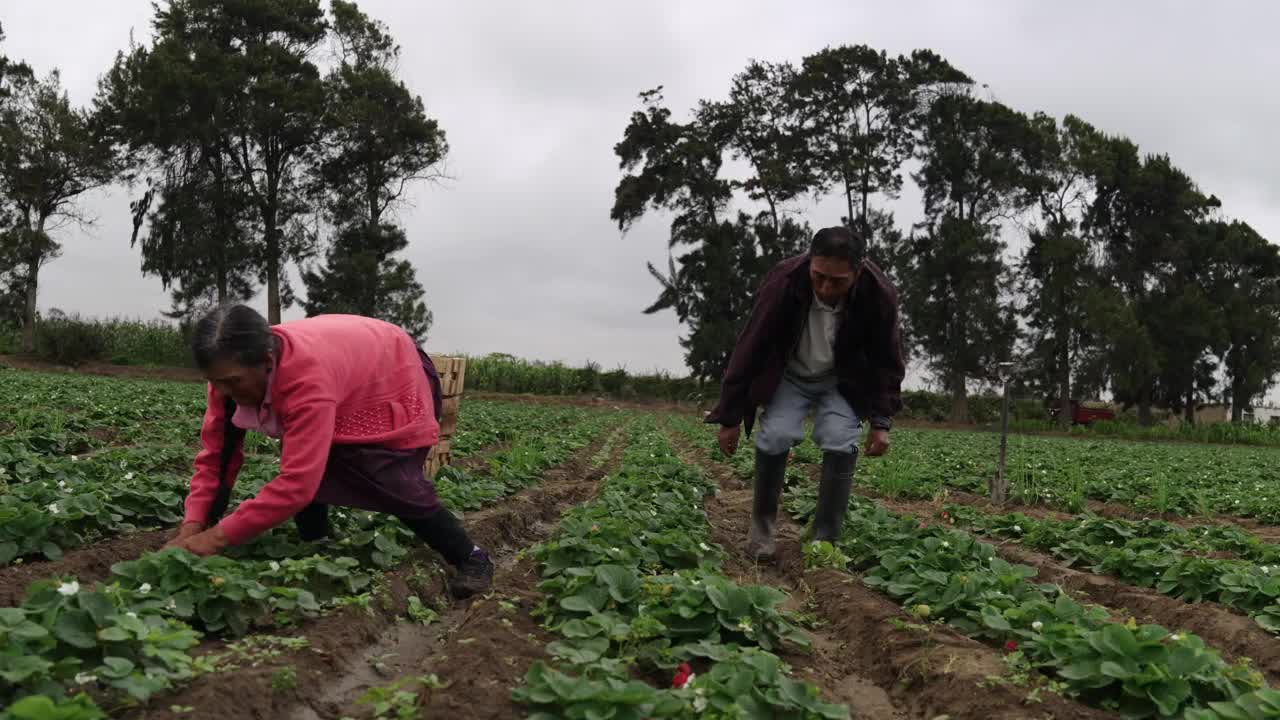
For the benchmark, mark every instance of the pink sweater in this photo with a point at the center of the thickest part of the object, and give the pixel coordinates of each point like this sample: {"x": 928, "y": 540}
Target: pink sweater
{"x": 340, "y": 379}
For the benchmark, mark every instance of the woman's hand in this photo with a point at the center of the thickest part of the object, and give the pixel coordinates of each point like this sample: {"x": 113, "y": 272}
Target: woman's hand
{"x": 204, "y": 544}
{"x": 185, "y": 530}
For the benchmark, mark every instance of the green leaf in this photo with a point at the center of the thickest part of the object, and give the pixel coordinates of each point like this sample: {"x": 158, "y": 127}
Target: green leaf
{"x": 1115, "y": 670}
{"x": 16, "y": 669}
{"x": 1081, "y": 670}
{"x": 993, "y": 619}
{"x": 1186, "y": 661}
{"x": 98, "y": 605}
{"x": 579, "y": 629}
{"x": 51, "y": 551}
{"x": 622, "y": 582}
{"x": 583, "y": 602}
{"x": 113, "y": 634}
{"x": 76, "y": 628}
{"x": 1119, "y": 640}
{"x": 117, "y": 667}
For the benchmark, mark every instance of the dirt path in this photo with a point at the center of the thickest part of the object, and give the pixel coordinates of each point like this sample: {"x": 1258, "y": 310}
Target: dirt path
{"x": 1230, "y": 632}
{"x": 350, "y": 650}
{"x": 865, "y": 653}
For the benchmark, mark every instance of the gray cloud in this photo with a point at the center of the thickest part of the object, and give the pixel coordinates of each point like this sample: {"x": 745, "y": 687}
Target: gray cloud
{"x": 517, "y": 252}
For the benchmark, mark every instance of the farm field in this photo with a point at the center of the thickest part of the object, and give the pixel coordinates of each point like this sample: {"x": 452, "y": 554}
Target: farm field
{"x": 1124, "y": 580}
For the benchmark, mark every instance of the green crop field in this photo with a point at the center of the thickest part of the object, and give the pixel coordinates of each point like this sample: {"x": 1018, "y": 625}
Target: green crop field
{"x": 1122, "y": 580}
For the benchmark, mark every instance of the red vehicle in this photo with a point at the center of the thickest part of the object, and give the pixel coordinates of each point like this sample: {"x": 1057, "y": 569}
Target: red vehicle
{"x": 1086, "y": 412}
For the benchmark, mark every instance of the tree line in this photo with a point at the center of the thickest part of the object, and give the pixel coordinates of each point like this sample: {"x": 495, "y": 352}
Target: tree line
{"x": 1128, "y": 278}
{"x": 252, "y": 134}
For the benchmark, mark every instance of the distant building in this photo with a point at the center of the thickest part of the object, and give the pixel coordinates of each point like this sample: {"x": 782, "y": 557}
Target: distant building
{"x": 1266, "y": 414}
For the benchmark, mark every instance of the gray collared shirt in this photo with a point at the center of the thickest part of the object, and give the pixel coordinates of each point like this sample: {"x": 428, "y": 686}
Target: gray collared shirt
{"x": 815, "y": 355}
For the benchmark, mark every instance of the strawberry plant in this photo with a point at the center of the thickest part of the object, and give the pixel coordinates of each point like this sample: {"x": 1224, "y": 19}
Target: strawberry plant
{"x": 631, "y": 584}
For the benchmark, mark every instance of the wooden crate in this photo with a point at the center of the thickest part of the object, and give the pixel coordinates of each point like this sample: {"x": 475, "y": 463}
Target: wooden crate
{"x": 452, "y": 371}
{"x": 440, "y": 456}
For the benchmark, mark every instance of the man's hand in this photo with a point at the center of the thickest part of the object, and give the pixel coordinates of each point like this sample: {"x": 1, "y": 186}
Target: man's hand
{"x": 877, "y": 443}
{"x": 729, "y": 435}
{"x": 185, "y": 530}
{"x": 209, "y": 542}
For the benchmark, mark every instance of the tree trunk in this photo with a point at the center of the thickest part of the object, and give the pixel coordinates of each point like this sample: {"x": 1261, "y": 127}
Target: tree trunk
{"x": 866, "y": 220}
{"x": 1064, "y": 375}
{"x": 959, "y": 399}
{"x": 1238, "y": 401}
{"x": 29, "y": 315}
{"x": 848, "y": 198}
{"x": 1189, "y": 409}
{"x": 38, "y": 246}
{"x": 222, "y": 281}
{"x": 273, "y": 266}
{"x": 1145, "y": 418}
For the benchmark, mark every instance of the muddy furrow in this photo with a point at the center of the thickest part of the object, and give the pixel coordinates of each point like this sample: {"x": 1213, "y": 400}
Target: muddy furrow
{"x": 489, "y": 651}
{"x": 839, "y": 677}
{"x": 88, "y": 564}
{"x": 1235, "y": 635}
{"x": 867, "y": 652}
{"x": 352, "y": 649}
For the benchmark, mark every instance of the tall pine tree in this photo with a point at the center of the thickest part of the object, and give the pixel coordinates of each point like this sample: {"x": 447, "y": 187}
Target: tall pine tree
{"x": 379, "y": 141}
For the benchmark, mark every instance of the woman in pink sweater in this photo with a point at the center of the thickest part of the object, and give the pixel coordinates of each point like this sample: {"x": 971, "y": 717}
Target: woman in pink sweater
{"x": 352, "y": 400}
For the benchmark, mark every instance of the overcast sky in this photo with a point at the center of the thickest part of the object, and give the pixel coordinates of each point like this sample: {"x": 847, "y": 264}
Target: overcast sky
{"x": 517, "y": 252}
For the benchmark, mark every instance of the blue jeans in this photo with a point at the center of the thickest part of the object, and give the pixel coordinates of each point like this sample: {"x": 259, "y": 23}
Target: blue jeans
{"x": 836, "y": 427}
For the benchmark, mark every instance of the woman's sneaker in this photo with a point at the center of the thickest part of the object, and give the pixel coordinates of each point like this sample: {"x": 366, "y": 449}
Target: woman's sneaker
{"x": 474, "y": 575}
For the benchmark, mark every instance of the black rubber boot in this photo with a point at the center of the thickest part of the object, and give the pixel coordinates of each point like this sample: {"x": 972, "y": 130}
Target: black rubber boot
{"x": 833, "y": 495}
{"x": 312, "y": 522}
{"x": 770, "y": 472}
{"x": 444, "y": 534}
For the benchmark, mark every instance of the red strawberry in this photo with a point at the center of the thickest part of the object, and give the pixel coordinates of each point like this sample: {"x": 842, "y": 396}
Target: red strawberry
{"x": 683, "y": 673}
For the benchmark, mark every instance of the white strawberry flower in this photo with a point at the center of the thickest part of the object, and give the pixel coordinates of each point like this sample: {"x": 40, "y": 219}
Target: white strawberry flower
{"x": 69, "y": 588}
{"x": 1017, "y": 528}
{"x": 75, "y": 458}
{"x": 128, "y": 476}
{"x": 700, "y": 701}
{"x": 52, "y": 507}
{"x": 85, "y": 678}
{"x": 705, "y": 547}
{"x": 1176, "y": 637}
{"x": 744, "y": 625}
{"x": 946, "y": 544}
{"x": 275, "y": 566}
{"x": 144, "y": 588}
{"x": 132, "y": 614}
{"x": 1037, "y": 626}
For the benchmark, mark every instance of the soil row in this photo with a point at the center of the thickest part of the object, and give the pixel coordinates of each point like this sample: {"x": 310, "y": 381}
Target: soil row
{"x": 352, "y": 650}
{"x": 867, "y": 652}
{"x": 93, "y": 563}
{"x": 1235, "y": 635}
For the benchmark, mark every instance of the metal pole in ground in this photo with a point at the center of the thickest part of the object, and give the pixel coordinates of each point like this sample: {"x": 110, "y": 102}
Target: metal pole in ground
{"x": 1000, "y": 490}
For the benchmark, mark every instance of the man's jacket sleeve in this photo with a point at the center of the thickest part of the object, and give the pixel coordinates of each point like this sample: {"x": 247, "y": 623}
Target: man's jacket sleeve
{"x": 749, "y": 355}
{"x": 887, "y": 365}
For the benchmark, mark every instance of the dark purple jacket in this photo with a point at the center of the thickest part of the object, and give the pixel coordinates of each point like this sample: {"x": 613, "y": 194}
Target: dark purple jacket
{"x": 868, "y": 349}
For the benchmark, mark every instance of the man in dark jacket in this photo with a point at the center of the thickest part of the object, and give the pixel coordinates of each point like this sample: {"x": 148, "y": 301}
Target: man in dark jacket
{"x": 824, "y": 333}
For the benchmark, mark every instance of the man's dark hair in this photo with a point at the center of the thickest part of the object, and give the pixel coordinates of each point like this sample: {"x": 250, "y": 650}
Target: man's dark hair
{"x": 235, "y": 332}
{"x": 837, "y": 242}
